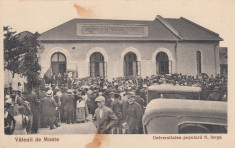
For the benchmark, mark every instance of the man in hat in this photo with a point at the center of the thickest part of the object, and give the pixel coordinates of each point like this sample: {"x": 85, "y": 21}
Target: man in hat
{"x": 110, "y": 99}
{"x": 133, "y": 118}
{"x": 48, "y": 110}
{"x": 140, "y": 101}
{"x": 69, "y": 106}
{"x": 89, "y": 96}
{"x": 62, "y": 108}
{"x": 57, "y": 95}
{"x": 93, "y": 104}
{"x": 117, "y": 108}
{"x": 143, "y": 93}
{"x": 35, "y": 109}
{"x": 104, "y": 118}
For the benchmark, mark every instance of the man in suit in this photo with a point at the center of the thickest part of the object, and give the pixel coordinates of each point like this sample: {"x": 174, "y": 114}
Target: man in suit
{"x": 48, "y": 110}
{"x": 35, "y": 109}
{"x": 133, "y": 118}
{"x": 69, "y": 106}
{"x": 93, "y": 104}
{"x": 104, "y": 118}
{"x": 62, "y": 108}
{"x": 110, "y": 99}
{"x": 118, "y": 110}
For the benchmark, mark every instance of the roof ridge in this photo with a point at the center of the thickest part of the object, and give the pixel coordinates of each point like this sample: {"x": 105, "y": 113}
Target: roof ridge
{"x": 57, "y": 26}
{"x": 169, "y": 26}
{"x": 199, "y": 26}
{"x": 114, "y": 19}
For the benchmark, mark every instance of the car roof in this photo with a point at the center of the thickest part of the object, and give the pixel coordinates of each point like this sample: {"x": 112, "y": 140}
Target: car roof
{"x": 173, "y": 88}
{"x": 185, "y": 108}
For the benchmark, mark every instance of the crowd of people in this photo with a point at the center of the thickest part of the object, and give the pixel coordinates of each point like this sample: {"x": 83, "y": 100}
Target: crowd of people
{"x": 116, "y": 106}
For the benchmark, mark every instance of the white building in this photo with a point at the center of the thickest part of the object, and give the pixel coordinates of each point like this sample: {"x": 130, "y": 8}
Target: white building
{"x": 116, "y": 48}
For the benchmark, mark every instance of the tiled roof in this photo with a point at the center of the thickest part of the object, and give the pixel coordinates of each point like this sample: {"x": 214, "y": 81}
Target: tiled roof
{"x": 161, "y": 29}
{"x": 192, "y": 31}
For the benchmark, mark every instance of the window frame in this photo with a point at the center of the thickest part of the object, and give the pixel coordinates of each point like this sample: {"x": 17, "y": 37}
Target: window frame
{"x": 164, "y": 62}
{"x": 58, "y": 61}
{"x": 208, "y": 123}
{"x": 92, "y": 74}
{"x": 199, "y": 62}
{"x": 134, "y": 60}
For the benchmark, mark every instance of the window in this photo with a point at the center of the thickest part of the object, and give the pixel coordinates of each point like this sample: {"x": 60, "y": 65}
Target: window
{"x": 58, "y": 63}
{"x": 223, "y": 69}
{"x": 163, "y": 65}
{"x": 131, "y": 65}
{"x": 199, "y": 68}
{"x": 153, "y": 94}
{"x": 97, "y": 65}
{"x": 190, "y": 128}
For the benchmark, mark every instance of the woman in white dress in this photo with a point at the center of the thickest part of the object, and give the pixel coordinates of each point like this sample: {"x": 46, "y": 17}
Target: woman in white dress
{"x": 81, "y": 110}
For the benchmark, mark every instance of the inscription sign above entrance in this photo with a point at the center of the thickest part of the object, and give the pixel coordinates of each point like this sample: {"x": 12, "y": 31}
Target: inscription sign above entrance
{"x": 112, "y": 30}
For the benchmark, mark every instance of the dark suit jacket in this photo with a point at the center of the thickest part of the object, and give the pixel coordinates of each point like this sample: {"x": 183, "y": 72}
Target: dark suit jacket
{"x": 133, "y": 116}
{"x": 106, "y": 121}
{"x": 69, "y": 102}
{"x": 117, "y": 108}
{"x": 49, "y": 105}
{"x": 34, "y": 103}
{"x": 108, "y": 102}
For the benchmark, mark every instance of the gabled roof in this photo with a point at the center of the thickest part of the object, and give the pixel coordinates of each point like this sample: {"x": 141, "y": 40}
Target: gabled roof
{"x": 67, "y": 31}
{"x": 160, "y": 29}
{"x": 192, "y": 31}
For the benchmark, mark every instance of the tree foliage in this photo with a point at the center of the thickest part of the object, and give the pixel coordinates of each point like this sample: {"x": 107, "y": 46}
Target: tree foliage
{"x": 21, "y": 55}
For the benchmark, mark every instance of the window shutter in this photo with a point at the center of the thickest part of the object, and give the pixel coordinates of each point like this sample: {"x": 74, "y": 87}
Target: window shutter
{"x": 105, "y": 69}
{"x": 89, "y": 68}
{"x": 198, "y": 57}
{"x": 124, "y": 68}
{"x": 92, "y": 69}
{"x": 101, "y": 69}
{"x": 157, "y": 68}
{"x": 135, "y": 68}
{"x": 138, "y": 68}
{"x": 170, "y": 67}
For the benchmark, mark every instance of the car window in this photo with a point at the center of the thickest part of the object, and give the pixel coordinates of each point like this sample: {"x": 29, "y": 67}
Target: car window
{"x": 173, "y": 95}
{"x": 190, "y": 128}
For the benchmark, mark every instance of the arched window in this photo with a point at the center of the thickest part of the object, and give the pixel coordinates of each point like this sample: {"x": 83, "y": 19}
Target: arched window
{"x": 58, "y": 63}
{"x": 163, "y": 65}
{"x": 97, "y": 65}
{"x": 131, "y": 65}
{"x": 199, "y": 66}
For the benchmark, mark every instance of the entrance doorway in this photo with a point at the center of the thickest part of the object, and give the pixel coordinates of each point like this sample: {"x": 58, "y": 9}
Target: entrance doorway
{"x": 97, "y": 65}
{"x": 163, "y": 65}
{"x": 58, "y": 63}
{"x": 131, "y": 65}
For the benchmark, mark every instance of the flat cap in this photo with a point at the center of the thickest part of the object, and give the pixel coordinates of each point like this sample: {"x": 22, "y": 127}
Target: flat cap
{"x": 99, "y": 99}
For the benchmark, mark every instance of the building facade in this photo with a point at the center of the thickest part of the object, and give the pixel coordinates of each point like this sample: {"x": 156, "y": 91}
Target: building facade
{"x": 117, "y": 48}
{"x": 223, "y": 56}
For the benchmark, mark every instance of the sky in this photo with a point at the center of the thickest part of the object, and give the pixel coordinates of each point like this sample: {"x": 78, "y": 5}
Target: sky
{"x": 40, "y": 16}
